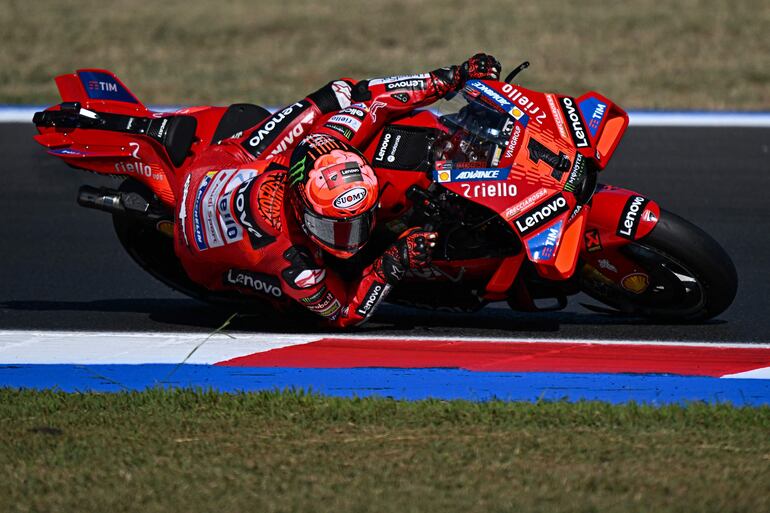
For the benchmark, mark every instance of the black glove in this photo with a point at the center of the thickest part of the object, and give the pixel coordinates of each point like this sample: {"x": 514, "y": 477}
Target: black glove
{"x": 411, "y": 251}
{"x": 480, "y": 66}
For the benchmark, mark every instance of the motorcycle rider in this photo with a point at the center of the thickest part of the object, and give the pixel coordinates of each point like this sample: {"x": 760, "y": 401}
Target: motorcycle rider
{"x": 258, "y": 211}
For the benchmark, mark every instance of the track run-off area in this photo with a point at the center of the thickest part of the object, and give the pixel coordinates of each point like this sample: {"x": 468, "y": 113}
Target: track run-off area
{"x": 77, "y": 314}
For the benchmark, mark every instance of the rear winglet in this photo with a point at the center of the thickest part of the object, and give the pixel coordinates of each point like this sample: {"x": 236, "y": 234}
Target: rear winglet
{"x": 95, "y": 86}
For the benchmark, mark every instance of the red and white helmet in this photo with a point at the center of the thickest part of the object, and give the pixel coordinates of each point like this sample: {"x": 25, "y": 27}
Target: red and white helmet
{"x": 334, "y": 193}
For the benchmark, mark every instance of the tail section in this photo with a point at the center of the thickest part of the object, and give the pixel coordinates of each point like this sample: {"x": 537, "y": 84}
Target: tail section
{"x": 98, "y": 87}
{"x": 101, "y": 126}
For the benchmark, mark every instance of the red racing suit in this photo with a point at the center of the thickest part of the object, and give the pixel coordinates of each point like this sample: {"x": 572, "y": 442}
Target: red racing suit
{"x": 236, "y": 233}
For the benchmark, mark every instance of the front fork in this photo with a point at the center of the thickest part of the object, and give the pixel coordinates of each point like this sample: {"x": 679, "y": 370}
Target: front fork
{"x": 617, "y": 218}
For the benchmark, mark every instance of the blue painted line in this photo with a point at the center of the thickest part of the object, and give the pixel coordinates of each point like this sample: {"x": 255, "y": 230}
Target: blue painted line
{"x": 410, "y": 384}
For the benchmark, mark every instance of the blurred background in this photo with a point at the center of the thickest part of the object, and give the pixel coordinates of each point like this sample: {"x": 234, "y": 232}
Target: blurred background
{"x": 644, "y": 54}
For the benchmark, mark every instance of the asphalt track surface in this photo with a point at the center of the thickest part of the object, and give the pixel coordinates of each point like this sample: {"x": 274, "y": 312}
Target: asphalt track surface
{"x": 62, "y": 268}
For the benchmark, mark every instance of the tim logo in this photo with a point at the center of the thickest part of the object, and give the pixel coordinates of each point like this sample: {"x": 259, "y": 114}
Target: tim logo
{"x": 96, "y": 85}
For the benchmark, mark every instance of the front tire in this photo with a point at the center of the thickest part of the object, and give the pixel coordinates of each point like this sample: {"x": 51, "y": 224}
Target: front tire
{"x": 691, "y": 277}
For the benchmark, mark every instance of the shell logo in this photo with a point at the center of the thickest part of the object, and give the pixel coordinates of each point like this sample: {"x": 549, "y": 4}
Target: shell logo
{"x": 165, "y": 227}
{"x": 516, "y": 113}
{"x": 443, "y": 176}
{"x": 636, "y": 283}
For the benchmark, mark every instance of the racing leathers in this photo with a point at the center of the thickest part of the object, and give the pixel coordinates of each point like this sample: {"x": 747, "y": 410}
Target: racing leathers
{"x": 236, "y": 233}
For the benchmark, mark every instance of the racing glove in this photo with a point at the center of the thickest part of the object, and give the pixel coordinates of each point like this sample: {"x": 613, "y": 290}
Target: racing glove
{"x": 453, "y": 78}
{"x": 412, "y": 250}
{"x": 480, "y": 66}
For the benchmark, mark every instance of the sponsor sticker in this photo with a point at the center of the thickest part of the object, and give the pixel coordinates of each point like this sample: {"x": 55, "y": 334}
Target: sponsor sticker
{"x": 635, "y": 283}
{"x": 262, "y": 136}
{"x": 342, "y": 92}
{"x": 294, "y": 134}
{"x": 355, "y": 111}
{"x": 491, "y": 94}
{"x": 541, "y": 214}
{"x": 103, "y": 86}
{"x": 574, "y": 122}
{"x": 309, "y": 278}
{"x": 522, "y": 104}
{"x": 497, "y": 189}
{"x": 542, "y": 246}
{"x": 347, "y": 133}
{"x": 630, "y": 217}
{"x": 261, "y": 283}
{"x": 592, "y": 241}
{"x": 210, "y": 207}
{"x": 593, "y": 112}
{"x": 576, "y": 174}
{"x": 350, "y": 198}
{"x": 243, "y": 215}
{"x": 344, "y": 120}
{"x": 200, "y": 240}
{"x": 525, "y": 203}
{"x": 445, "y": 172}
{"x": 513, "y": 143}
{"x": 371, "y": 299}
{"x": 316, "y": 297}
{"x": 556, "y": 116}
{"x": 67, "y": 151}
{"x": 183, "y": 210}
{"x": 398, "y": 78}
{"x": 607, "y": 265}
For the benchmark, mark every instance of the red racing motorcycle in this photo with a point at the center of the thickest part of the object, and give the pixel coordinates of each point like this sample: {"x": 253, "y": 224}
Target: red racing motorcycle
{"x": 507, "y": 176}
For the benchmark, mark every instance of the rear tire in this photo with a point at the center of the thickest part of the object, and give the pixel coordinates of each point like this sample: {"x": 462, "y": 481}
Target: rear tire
{"x": 691, "y": 277}
{"x": 154, "y": 252}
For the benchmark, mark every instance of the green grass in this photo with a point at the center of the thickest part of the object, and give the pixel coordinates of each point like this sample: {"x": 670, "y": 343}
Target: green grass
{"x": 194, "y": 451}
{"x": 644, "y": 53}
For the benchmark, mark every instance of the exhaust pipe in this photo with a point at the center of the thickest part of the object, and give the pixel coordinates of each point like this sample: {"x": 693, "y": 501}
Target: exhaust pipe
{"x": 104, "y": 199}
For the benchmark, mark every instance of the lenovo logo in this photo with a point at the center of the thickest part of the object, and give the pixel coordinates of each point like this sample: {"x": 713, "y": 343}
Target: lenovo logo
{"x": 541, "y": 214}
{"x": 575, "y": 124}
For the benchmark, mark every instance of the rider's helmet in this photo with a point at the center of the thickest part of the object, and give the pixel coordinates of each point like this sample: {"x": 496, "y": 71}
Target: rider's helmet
{"x": 334, "y": 194}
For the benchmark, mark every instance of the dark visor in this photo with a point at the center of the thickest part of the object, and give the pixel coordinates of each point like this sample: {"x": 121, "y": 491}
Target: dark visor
{"x": 343, "y": 234}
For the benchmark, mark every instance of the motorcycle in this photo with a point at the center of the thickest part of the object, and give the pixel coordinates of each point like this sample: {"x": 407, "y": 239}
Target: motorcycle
{"x": 507, "y": 176}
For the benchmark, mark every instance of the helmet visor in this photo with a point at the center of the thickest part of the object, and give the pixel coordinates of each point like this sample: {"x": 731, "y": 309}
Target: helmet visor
{"x": 341, "y": 234}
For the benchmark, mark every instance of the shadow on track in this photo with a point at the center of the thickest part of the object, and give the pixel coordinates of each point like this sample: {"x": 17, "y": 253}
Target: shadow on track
{"x": 187, "y": 314}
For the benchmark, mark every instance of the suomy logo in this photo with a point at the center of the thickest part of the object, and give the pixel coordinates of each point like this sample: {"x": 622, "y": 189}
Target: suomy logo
{"x": 541, "y": 214}
{"x": 575, "y": 124}
{"x": 350, "y": 198}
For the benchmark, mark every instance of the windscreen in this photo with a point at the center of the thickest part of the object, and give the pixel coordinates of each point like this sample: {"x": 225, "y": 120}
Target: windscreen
{"x": 478, "y": 131}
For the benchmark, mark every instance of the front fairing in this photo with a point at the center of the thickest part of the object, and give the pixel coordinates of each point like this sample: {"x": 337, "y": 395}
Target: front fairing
{"x": 519, "y": 153}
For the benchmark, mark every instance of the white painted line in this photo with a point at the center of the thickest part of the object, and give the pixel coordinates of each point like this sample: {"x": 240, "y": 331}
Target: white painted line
{"x": 92, "y": 348}
{"x": 763, "y": 373}
{"x": 50, "y": 347}
{"x": 24, "y": 113}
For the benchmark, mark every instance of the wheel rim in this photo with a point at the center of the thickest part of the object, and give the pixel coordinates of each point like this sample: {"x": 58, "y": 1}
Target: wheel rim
{"x": 674, "y": 289}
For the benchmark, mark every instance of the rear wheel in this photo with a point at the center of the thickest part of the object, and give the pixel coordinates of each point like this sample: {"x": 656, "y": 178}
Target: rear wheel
{"x": 153, "y": 251}
{"x": 684, "y": 275}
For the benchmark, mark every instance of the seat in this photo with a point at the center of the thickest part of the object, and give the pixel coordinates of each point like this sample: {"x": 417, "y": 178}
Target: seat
{"x": 238, "y": 118}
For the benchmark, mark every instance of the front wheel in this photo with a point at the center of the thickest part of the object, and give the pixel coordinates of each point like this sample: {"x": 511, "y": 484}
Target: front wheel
{"x": 681, "y": 275}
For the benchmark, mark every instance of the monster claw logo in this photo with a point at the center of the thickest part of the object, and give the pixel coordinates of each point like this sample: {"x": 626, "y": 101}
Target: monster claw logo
{"x": 297, "y": 171}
